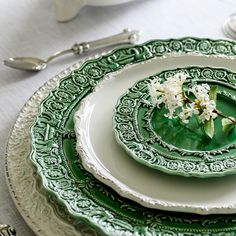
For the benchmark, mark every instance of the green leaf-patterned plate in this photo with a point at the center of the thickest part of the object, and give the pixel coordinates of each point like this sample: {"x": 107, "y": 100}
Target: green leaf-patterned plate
{"x": 59, "y": 166}
{"x": 170, "y": 146}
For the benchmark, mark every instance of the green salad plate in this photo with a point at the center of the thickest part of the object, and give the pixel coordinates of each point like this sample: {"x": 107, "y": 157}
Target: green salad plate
{"x": 73, "y": 189}
{"x": 169, "y": 145}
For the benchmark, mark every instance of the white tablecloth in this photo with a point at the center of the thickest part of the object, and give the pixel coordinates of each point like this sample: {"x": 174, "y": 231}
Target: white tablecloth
{"x": 28, "y": 27}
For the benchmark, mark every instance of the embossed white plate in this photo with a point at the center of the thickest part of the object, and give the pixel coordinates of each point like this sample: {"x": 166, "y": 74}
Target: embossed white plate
{"x": 108, "y": 162}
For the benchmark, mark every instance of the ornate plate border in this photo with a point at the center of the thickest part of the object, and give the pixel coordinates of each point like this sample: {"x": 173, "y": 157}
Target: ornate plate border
{"x": 40, "y": 212}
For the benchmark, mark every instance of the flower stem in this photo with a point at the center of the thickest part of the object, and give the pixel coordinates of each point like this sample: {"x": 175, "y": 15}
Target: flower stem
{"x": 219, "y": 113}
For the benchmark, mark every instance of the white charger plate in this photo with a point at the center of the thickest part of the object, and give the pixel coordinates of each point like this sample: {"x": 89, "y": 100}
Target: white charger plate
{"x": 109, "y": 163}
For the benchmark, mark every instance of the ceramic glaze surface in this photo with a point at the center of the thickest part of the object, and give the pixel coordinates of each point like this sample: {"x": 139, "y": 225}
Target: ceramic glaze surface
{"x": 169, "y": 145}
{"x": 60, "y": 167}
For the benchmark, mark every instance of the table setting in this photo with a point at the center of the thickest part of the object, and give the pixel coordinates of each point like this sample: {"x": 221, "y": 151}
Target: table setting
{"x": 128, "y": 131}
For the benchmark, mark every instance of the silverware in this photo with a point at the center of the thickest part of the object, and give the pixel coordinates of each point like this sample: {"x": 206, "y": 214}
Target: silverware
{"x": 37, "y": 64}
{"x": 7, "y": 230}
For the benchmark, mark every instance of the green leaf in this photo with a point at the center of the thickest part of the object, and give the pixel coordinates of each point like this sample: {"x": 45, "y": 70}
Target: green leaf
{"x": 227, "y": 124}
{"x": 209, "y": 127}
{"x": 213, "y": 92}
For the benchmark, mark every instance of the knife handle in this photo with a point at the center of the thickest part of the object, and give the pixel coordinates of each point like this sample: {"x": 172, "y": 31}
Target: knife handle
{"x": 126, "y": 37}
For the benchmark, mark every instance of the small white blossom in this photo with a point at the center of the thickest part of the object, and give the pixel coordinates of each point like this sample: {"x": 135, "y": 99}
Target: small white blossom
{"x": 169, "y": 92}
{"x": 207, "y": 106}
{"x": 208, "y": 111}
{"x": 187, "y": 112}
{"x": 200, "y": 91}
{"x": 155, "y": 90}
{"x": 180, "y": 78}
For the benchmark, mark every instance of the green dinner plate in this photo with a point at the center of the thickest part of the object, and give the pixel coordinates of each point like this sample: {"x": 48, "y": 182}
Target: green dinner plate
{"x": 65, "y": 179}
{"x": 169, "y": 145}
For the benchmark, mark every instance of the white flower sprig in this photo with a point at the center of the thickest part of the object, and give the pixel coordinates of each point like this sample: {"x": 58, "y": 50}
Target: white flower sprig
{"x": 171, "y": 94}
